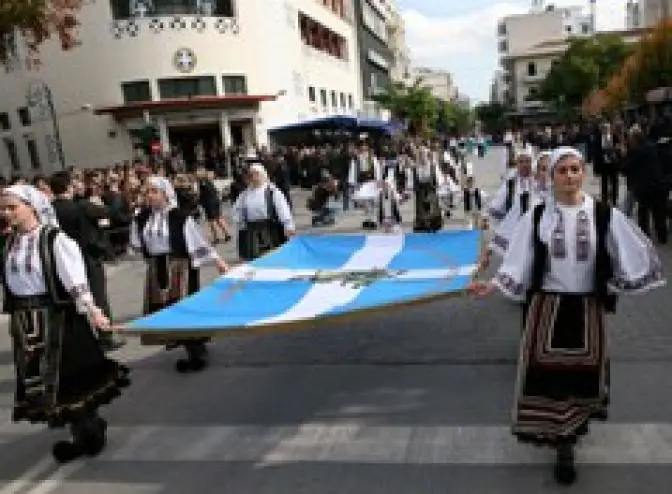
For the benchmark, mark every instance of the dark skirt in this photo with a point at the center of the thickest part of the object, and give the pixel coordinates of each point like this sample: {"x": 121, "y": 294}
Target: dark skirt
{"x": 167, "y": 281}
{"x": 259, "y": 238}
{"x": 563, "y": 369}
{"x": 427, "y": 210}
{"x": 62, "y": 372}
{"x": 363, "y": 177}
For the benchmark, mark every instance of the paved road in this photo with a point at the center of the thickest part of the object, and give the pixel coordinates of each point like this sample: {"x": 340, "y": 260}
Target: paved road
{"x": 415, "y": 401}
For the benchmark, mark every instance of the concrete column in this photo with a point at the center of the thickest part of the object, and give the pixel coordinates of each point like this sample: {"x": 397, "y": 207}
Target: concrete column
{"x": 225, "y": 130}
{"x": 163, "y": 134}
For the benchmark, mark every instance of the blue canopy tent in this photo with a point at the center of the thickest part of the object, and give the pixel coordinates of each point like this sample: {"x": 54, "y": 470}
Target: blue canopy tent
{"x": 333, "y": 128}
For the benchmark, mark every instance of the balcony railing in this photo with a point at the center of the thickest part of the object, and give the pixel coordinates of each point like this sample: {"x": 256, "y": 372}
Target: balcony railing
{"x": 321, "y": 55}
{"x": 538, "y": 77}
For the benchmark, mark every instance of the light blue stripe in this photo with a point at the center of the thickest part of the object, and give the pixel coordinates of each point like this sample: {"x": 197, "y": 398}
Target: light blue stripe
{"x": 438, "y": 250}
{"x": 387, "y": 292}
{"x": 313, "y": 252}
{"x": 224, "y": 304}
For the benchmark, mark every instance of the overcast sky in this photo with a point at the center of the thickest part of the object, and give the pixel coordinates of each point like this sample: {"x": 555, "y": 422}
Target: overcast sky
{"x": 460, "y": 35}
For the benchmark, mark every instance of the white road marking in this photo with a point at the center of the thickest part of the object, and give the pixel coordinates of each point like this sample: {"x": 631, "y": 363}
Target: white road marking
{"x": 57, "y": 478}
{"x": 29, "y": 477}
{"x": 355, "y": 443}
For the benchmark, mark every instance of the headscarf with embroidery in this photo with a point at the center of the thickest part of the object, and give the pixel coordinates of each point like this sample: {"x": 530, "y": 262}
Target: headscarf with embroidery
{"x": 36, "y": 199}
{"x": 164, "y": 185}
{"x": 551, "y": 214}
{"x": 261, "y": 170}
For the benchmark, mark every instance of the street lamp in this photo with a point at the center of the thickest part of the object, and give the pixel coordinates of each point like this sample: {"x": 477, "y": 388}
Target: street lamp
{"x": 56, "y": 128}
{"x": 41, "y": 92}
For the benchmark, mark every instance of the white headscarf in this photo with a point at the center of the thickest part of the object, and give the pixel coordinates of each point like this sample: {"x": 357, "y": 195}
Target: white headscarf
{"x": 562, "y": 152}
{"x": 260, "y": 169}
{"x": 36, "y": 199}
{"x": 166, "y": 186}
{"x": 524, "y": 152}
{"x": 550, "y": 217}
{"x": 541, "y": 155}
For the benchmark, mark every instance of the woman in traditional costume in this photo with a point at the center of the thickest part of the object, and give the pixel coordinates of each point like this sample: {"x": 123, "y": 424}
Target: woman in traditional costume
{"x": 449, "y": 188}
{"x": 63, "y": 376}
{"x": 263, "y": 216}
{"x": 473, "y": 199}
{"x": 389, "y": 207}
{"x": 568, "y": 259}
{"x": 427, "y": 179}
{"x": 174, "y": 249}
{"x": 364, "y": 177}
{"x": 542, "y": 179}
{"x": 515, "y": 197}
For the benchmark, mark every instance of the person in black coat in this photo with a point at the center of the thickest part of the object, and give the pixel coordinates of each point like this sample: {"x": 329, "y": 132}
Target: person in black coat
{"x": 76, "y": 222}
{"x": 278, "y": 172}
{"x": 605, "y": 156}
{"x": 645, "y": 177}
{"x": 210, "y": 202}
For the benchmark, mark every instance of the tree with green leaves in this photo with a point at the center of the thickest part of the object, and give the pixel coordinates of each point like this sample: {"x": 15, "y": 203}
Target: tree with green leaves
{"x": 651, "y": 64}
{"x": 413, "y": 104}
{"x": 37, "y": 21}
{"x": 492, "y": 117}
{"x": 455, "y": 117}
{"x": 587, "y": 64}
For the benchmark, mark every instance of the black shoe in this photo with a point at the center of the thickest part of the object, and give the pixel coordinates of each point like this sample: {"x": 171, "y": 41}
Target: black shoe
{"x": 565, "y": 470}
{"x": 182, "y": 366}
{"x": 185, "y": 365}
{"x": 198, "y": 364}
{"x": 66, "y": 451}
{"x": 90, "y": 435}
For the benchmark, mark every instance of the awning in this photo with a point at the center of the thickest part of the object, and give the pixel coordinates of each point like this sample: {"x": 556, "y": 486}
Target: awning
{"x": 136, "y": 109}
{"x": 338, "y": 122}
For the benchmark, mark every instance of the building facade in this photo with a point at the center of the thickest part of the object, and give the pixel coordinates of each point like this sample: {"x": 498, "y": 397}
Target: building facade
{"x": 401, "y": 55}
{"x": 372, "y": 18}
{"x": 654, "y": 11}
{"x": 206, "y": 73}
{"x": 527, "y": 45}
{"x": 633, "y": 15}
{"x": 439, "y": 82}
{"x": 498, "y": 88}
{"x": 529, "y": 69}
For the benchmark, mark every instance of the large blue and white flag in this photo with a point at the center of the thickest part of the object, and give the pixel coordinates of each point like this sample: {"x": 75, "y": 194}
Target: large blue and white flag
{"x": 323, "y": 276}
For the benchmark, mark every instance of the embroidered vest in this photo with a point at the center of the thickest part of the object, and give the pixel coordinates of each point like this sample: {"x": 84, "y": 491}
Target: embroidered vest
{"x": 432, "y": 179}
{"x": 45, "y": 247}
{"x": 396, "y": 215}
{"x": 510, "y": 191}
{"x": 604, "y": 269}
{"x": 176, "y": 239}
{"x": 468, "y": 206}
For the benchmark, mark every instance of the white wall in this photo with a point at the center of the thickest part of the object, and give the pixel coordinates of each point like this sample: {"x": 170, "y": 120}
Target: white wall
{"x": 526, "y": 30}
{"x": 325, "y": 72}
{"x": 266, "y": 48}
{"x": 524, "y": 82}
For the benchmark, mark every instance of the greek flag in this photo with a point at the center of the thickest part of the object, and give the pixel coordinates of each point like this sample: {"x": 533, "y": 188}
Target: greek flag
{"x": 316, "y": 277}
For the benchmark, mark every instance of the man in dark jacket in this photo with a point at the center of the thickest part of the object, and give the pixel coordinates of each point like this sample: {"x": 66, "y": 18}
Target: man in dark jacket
{"x": 76, "y": 224}
{"x": 646, "y": 180}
